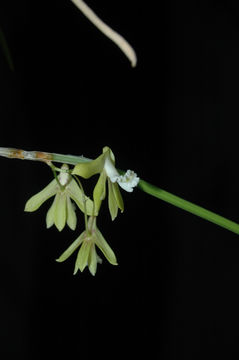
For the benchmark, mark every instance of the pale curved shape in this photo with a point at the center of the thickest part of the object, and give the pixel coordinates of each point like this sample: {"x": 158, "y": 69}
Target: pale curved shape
{"x": 123, "y": 44}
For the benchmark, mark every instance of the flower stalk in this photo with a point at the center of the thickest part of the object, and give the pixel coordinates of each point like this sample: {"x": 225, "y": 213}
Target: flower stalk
{"x": 188, "y": 206}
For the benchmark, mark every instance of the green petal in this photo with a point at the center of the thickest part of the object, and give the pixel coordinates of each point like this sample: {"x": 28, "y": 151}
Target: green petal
{"x": 109, "y": 152}
{"x": 118, "y": 197}
{"x": 92, "y": 262}
{"x": 71, "y": 215}
{"x": 113, "y": 206}
{"x": 37, "y": 200}
{"x": 86, "y": 170}
{"x": 69, "y": 251}
{"x": 83, "y": 256}
{"x": 76, "y": 194}
{"x": 105, "y": 248}
{"x": 99, "y": 191}
{"x": 60, "y": 211}
{"x": 50, "y": 216}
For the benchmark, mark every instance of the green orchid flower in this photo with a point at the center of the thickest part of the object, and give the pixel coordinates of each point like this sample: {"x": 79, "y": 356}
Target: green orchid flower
{"x": 87, "y": 256}
{"x": 105, "y": 166}
{"x": 62, "y": 210}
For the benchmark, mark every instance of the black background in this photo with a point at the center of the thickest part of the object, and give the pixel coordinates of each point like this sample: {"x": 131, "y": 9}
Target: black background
{"x": 174, "y": 120}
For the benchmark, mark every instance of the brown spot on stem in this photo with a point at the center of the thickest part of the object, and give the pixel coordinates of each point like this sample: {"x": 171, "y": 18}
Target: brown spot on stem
{"x": 43, "y": 156}
{"x": 16, "y": 153}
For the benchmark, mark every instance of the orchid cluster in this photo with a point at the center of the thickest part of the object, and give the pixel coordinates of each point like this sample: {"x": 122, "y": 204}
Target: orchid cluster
{"x": 68, "y": 191}
{"x": 68, "y": 194}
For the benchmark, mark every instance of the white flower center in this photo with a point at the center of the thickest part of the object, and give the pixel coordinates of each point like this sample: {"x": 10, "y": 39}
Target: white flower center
{"x": 64, "y": 176}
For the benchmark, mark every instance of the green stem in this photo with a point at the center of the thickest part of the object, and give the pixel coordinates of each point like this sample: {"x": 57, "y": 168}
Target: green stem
{"x": 53, "y": 168}
{"x": 143, "y": 185}
{"x": 188, "y": 206}
{"x": 69, "y": 159}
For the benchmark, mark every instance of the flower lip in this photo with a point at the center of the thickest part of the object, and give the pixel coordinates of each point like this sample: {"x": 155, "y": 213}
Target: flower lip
{"x": 127, "y": 181}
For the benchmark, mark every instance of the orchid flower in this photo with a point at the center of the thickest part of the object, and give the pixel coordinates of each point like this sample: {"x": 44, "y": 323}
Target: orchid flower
{"x": 87, "y": 256}
{"x": 105, "y": 166}
{"x": 62, "y": 210}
